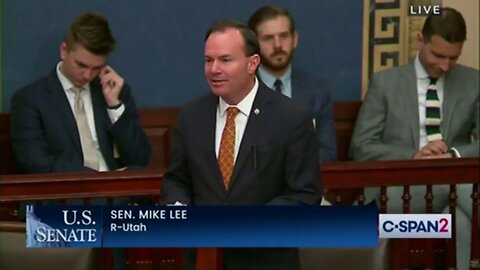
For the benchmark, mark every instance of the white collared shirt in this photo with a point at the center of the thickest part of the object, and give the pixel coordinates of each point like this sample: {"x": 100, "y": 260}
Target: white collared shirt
{"x": 269, "y": 80}
{"x": 245, "y": 106}
{"x": 422, "y": 87}
{"x": 87, "y": 100}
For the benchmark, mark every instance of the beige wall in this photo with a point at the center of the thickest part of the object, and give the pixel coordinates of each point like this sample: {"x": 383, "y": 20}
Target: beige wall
{"x": 470, "y": 11}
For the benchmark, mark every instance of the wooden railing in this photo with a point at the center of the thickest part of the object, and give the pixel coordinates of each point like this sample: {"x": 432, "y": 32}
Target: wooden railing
{"x": 339, "y": 176}
{"x": 38, "y": 188}
{"x": 158, "y": 125}
{"x": 357, "y": 175}
{"x": 34, "y": 187}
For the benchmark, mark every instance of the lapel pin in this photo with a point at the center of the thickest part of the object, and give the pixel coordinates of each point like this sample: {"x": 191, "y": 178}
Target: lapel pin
{"x": 256, "y": 111}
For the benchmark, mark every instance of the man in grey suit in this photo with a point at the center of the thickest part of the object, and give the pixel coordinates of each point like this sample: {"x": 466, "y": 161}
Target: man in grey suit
{"x": 275, "y": 30}
{"x": 242, "y": 144}
{"x": 394, "y": 120}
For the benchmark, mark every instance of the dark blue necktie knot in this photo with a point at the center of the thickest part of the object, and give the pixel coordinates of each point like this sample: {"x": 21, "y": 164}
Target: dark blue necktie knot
{"x": 278, "y": 85}
{"x": 433, "y": 80}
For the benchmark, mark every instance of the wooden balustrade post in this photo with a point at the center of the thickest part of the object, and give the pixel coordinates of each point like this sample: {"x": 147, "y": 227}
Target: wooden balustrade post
{"x": 451, "y": 243}
{"x": 361, "y": 197}
{"x": 383, "y": 199}
{"x": 475, "y": 245}
{"x": 207, "y": 258}
{"x": 405, "y": 262}
{"x": 429, "y": 244}
{"x": 106, "y": 258}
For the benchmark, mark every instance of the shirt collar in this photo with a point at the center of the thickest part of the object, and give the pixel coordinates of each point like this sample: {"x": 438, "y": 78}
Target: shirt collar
{"x": 244, "y": 106}
{"x": 420, "y": 71}
{"x": 422, "y": 74}
{"x": 66, "y": 83}
{"x": 269, "y": 79}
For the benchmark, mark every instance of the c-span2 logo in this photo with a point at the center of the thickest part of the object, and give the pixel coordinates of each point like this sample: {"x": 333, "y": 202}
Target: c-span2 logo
{"x": 415, "y": 226}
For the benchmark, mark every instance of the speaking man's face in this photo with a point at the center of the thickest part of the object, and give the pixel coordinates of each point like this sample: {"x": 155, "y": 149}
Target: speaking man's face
{"x": 229, "y": 73}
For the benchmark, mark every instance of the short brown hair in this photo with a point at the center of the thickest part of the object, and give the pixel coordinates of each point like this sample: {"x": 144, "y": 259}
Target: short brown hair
{"x": 449, "y": 25}
{"x": 249, "y": 38}
{"x": 266, "y": 13}
{"x": 92, "y": 31}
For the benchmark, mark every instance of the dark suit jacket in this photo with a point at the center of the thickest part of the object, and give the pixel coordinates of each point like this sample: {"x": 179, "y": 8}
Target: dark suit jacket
{"x": 45, "y": 135}
{"x": 314, "y": 93}
{"x": 282, "y": 140}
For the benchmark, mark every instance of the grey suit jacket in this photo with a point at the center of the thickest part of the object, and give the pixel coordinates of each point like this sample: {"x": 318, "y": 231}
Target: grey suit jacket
{"x": 387, "y": 126}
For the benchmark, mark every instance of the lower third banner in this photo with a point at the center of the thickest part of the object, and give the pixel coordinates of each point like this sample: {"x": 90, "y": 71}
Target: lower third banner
{"x": 202, "y": 226}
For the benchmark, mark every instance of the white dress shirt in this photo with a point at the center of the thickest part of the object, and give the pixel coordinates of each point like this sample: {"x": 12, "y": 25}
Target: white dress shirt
{"x": 269, "y": 80}
{"x": 244, "y": 106}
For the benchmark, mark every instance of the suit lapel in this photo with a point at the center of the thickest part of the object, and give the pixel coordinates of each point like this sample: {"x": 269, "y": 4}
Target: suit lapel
{"x": 451, "y": 88}
{"x": 250, "y": 134}
{"x": 411, "y": 101}
{"x": 60, "y": 103}
{"x": 296, "y": 84}
{"x": 209, "y": 118}
{"x": 101, "y": 119}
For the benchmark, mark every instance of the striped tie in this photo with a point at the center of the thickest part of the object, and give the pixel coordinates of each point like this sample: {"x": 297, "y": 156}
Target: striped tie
{"x": 433, "y": 114}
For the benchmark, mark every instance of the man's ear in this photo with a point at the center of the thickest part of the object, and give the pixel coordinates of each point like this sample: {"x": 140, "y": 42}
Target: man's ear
{"x": 253, "y": 62}
{"x": 295, "y": 39}
{"x": 63, "y": 50}
{"x": 420, "y": 41}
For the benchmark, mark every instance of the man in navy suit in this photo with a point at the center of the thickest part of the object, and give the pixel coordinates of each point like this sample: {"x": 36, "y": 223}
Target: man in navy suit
{"x": 81, "y": 116}
{"x": 273, "y": 155}
{"x": 275, "y": 29}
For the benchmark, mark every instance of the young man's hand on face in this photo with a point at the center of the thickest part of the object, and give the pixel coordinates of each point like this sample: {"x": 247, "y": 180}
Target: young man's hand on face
{"x": 112, "y": 84}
